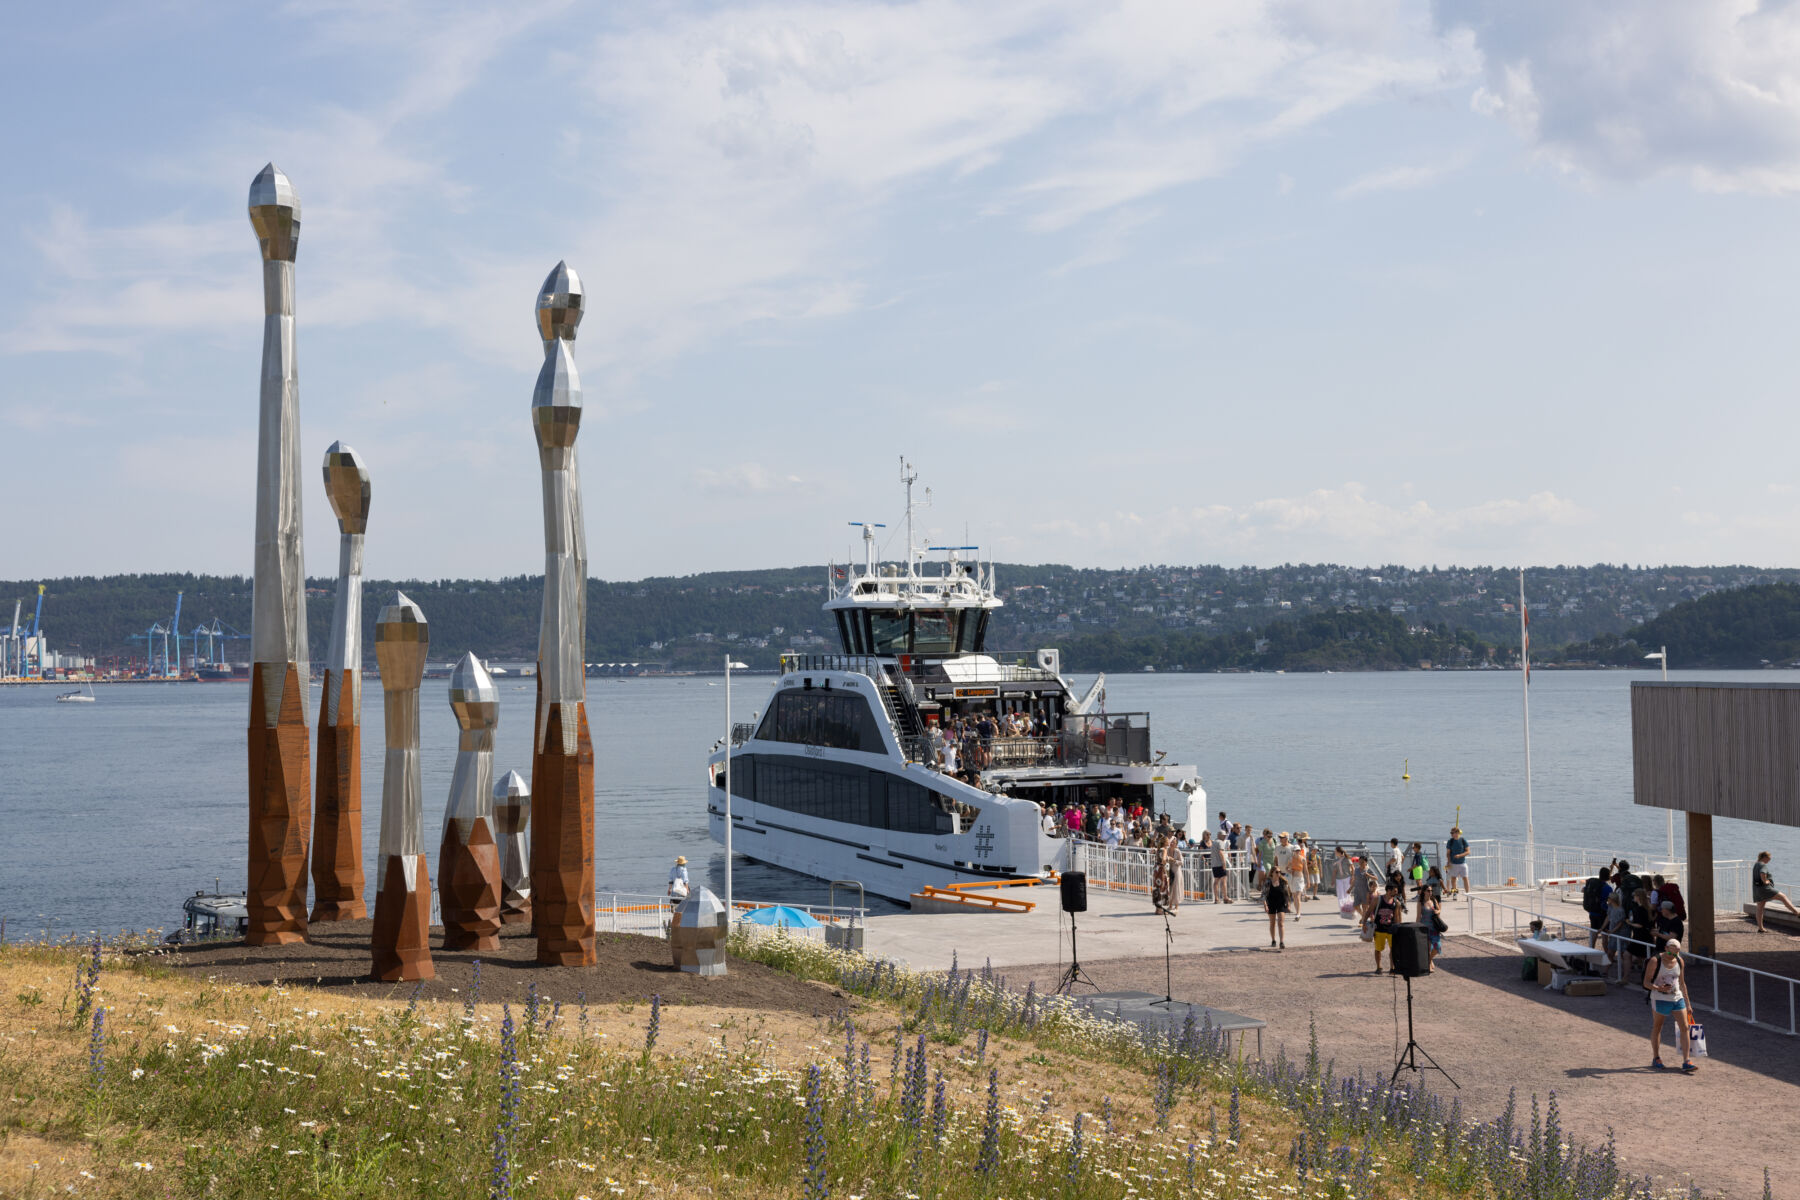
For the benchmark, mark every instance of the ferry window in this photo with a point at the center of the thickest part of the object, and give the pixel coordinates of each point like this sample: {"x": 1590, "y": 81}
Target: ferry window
{"x": 934, "y": 633}
{"x": 981, "y": 626}
{"x": 743, "y": 776}
{"x": 816, "y": 717}
{"x": 825, "y": 790}
{"x": 844, "y": 621}
{"x": 888, "y": 630}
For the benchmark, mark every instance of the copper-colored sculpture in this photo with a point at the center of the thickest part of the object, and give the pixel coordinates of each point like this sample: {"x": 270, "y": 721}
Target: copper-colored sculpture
{"x": 403, "y": 886}
{"x": 337, "y": 866}
{"x": 468, "y": 857}
{"x": 562, "y": 765}
{"x": 279, "y": 780}
{"x": 512, "y": 814}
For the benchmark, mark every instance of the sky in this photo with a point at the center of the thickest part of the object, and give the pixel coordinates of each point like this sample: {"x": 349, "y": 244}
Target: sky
{"x": 1360, "y": 281}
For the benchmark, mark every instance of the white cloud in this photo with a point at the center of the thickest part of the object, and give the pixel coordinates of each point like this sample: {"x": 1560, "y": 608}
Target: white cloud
{"x": 1397, "y": 179}
{"x": 1709, "y": 89}
{"x": 746, "y": 477}
{"x": 1344, "y": 524}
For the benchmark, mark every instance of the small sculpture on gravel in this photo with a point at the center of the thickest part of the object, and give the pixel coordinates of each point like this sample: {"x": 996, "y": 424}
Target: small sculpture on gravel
{"x": 697, "y": 936}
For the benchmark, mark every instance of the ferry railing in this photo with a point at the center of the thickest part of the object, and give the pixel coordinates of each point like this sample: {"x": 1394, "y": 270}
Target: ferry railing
{"x": 1726, "y": 988}
{"x": 742, "y": 732}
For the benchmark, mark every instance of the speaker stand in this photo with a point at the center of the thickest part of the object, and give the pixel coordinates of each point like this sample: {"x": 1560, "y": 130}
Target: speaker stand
{"x": 1074, "y": 974}
{"x": 1168, "y": 968}
{"x": 1409, "y": 1057}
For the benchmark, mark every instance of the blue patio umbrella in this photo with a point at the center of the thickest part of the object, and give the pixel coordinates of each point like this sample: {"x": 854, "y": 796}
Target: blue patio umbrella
{"x": 781, "y": 915}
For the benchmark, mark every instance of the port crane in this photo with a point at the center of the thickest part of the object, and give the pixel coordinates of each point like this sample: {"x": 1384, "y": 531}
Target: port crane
{"x": 36, "y": 670}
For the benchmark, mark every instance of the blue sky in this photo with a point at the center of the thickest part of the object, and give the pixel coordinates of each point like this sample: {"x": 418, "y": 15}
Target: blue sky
{"x": 1366, "y": 281}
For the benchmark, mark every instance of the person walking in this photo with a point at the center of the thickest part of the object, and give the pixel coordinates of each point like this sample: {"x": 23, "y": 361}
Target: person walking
{"x": 1762, "y": 890}
{"x": 1387, "y": 915}
{"x": 1276, "y": 898}
{"x": 1366, "y": 888}
{"x": 1343, "y": 879}
{"x": 678, "y": 880}
{"x": 1215, "y": 859}
{"x": 1616, "y": 932}
{"x": 1394, "y": 857}
{"x": 1265, "y": 855}
{"x": 1456, "y": 860}
{"x": 1665, "y": 977}
{"x": 1172, "y": 873}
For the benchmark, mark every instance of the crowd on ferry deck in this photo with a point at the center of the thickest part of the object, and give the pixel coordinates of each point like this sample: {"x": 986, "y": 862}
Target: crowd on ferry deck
{"x": 966, "y": 743}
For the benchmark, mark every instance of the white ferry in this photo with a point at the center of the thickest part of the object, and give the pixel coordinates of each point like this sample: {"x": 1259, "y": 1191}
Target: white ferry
{"x": 847, "y": 773}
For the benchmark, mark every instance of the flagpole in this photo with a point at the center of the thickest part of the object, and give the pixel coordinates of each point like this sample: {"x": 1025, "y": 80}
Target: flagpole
{"x": 1525, "y": 692}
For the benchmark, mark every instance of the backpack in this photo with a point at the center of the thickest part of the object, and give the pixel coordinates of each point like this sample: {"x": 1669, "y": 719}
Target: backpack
{"x": 1593, "y": 894}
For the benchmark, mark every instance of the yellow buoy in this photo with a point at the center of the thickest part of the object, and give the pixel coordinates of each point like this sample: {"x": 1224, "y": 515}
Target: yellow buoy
{"x": 1406, "y": 771}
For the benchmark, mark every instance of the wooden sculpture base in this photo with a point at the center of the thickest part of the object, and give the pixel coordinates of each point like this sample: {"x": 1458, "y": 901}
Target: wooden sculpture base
{"x": 469, "y": 887}
{"x": 562, "y": 842}
{"x": 280, "y": 813}
{"x": 337, "y": 870}
{"x": 400, "y": 945}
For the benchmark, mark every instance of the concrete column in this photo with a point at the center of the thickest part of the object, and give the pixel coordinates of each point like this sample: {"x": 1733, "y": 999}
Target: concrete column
{"x": 1701, "y": 935}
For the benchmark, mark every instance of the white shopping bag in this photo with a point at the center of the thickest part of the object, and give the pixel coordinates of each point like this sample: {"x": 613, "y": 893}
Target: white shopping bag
{"x": 1346, "y": 905}
{"x": 1697, "y": 1039}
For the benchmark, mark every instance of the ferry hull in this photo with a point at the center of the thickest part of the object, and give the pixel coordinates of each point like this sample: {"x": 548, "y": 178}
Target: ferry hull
{"x": 892, "y": 866}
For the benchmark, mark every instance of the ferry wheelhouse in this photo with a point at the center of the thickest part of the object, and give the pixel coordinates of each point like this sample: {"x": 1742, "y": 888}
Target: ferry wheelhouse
{"x": 855, "y": 771}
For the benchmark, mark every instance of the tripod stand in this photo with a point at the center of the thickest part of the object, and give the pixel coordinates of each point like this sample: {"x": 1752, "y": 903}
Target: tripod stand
{"x": 1074, "y": 974}
{"x": 1168, "y": 969}
{"x": 1409, "y": 1057}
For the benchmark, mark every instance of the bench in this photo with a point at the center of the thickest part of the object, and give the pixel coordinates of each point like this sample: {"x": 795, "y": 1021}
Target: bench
{"x": 1566, "y": 960}
{"x": 1774, "y": 914}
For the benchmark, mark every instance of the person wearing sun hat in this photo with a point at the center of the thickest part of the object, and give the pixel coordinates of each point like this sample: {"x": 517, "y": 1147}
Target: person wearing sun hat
{"x": 678, "y": 879}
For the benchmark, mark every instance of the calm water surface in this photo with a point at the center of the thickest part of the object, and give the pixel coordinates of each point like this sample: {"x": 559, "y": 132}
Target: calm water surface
{"x": 111, "y": 812}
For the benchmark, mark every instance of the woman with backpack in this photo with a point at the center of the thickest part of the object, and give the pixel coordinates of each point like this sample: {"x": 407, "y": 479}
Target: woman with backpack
{"x": 1594, "y": 894}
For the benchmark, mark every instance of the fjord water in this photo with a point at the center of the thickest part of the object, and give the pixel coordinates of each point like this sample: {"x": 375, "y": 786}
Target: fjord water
{"x": 111, "y": 812}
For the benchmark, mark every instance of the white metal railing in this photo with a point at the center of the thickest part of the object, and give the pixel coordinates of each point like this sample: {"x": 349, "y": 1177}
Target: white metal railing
{"x": 1494, "y": 861}
{"x": 649, "y": 915}
{"x": 1500, "y": 914}
{"x": 1130, "y": 869}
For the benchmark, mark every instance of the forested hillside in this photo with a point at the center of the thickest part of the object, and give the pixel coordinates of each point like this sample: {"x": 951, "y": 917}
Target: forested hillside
{"x": 1294, "y": 617}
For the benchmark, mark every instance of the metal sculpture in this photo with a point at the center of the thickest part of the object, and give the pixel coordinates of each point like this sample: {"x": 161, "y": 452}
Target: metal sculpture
{"x": 698, "y": 933}
{"x": 280, "y": 781}
{"x": 468, "y": 856}
{"x": 562, "y": 765}
{"x": 512, "y": 815}
{"x": 337, "y": 862}
{"x": 402, "y": 886}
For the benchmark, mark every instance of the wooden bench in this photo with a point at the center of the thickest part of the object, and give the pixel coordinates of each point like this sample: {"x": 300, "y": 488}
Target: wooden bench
{"x": 1774, "y": 914}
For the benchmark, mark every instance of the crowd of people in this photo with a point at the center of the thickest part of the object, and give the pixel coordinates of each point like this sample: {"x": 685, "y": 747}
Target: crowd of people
{"x": 967, "y": 744}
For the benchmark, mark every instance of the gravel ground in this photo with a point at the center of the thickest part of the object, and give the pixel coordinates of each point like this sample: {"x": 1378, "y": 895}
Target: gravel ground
{"x": 630, "y": 969}
{"x": 1493, "y": 1032}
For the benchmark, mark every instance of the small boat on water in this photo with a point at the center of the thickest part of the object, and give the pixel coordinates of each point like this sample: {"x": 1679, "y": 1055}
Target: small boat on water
{"x": 77, "y": 696}
{"x": 208, "y": 916}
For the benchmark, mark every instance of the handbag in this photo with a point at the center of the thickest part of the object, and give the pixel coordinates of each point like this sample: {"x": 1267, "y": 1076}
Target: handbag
{"x": 1438, "y": 924}
{"x": 1697, "y": 1039}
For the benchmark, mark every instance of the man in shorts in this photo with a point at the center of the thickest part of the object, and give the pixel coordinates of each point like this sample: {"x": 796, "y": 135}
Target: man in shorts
{"x": 1456, "y": 861}
{"x": 1387, "y": 915}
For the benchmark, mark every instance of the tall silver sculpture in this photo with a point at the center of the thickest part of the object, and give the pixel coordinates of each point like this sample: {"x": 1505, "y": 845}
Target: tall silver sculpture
{"x": 562, "y": 766}
{"x": 337, "y": 861}
{"x": 512, "y": 815}
{"x": 468, "y": 855}
{"x": 402, "y": 888}
{"x": 280, "y": 781}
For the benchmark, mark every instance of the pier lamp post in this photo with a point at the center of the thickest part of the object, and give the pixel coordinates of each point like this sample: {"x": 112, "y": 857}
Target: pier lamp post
{"x": 1661, "y": 654}
{"x": 730, "y": 666}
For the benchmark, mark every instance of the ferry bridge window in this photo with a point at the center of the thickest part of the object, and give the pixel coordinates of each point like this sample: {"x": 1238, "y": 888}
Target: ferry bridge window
{"x": 935, "y": 632}
{"x": 888, "y": 631}
{"x": 815, "y": 717}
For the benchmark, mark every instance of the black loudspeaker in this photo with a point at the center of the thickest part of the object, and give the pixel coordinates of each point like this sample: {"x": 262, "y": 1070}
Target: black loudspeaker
{"x": 1074, "y": 891}
{"x": 1412, "y": 952}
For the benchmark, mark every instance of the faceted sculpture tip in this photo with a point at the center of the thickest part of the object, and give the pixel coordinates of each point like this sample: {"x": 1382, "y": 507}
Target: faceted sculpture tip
{"x": 347, "y": 487}
{"x": 556, "y": 400}
{"x": 275, "y": 214}
{"x": 402, "y": 640}
{"x": 511, "y": 785}
{"x": 559, "y": 304}
{"x": 473, "y": 697}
